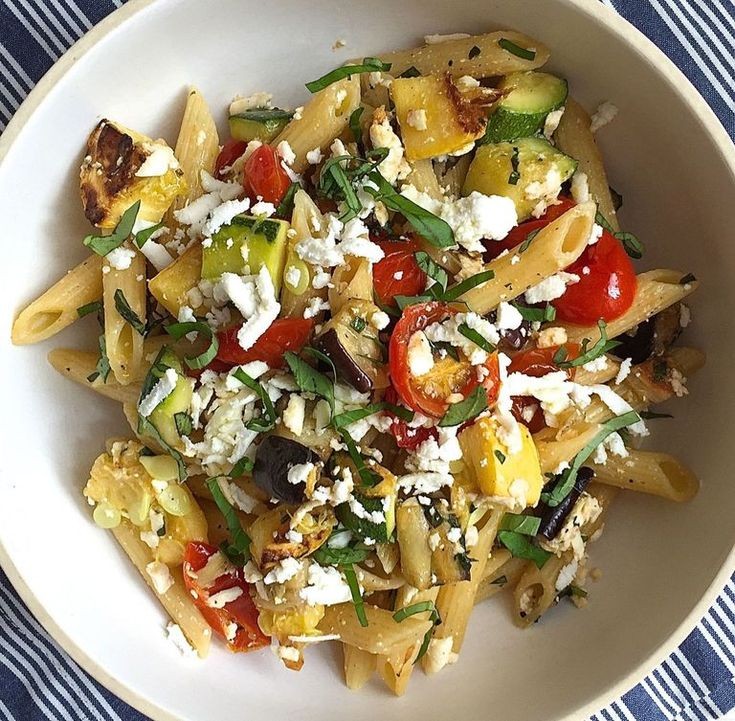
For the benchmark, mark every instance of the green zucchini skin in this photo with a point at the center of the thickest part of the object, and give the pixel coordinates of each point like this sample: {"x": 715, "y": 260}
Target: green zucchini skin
{"x": 259, "y": 124}
{"x": 522, "y": 112}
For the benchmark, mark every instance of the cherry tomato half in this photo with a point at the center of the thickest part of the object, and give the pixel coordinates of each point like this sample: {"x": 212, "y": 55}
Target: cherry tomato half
{"x": 230, "y": 152}
{"x": 429, "y": 393}
{"x": 406, "y": 436}
{"x": 265, "y": 176}
{"x": 283, "y": 335}
{"x": 241, "y": 612}
{"x": 606, "y": 287}
{"x": 398, "y": 273}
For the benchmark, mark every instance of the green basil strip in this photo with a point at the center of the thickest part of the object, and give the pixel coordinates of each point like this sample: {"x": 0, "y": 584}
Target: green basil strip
{"x": 322, "y": 357}
{"x": 517, "y": 50}
{"x": 285, "y": 207}
{"x": 358, "y": 324}
{"x": 521, "y": 547}
{"x": 633, "y": 247}
{"x": 326, "y": 556}
{"x": 466, "y": 410}
{"x": 179, "y": 330}
{"x": 127, "y": 313}
{"x": 499, "y": 455}
{"x": 434, "y": 271}
{"x": 472, "y": 282}
{"x": 143, "y": 236}
{"x": 476, "y": 338}
{"x": 407, "y": 611}
{"x": 243, "y": 466}
{"x": 541, "y": 315}
{"x": 342, "y": 182}
{"x": 258, "y": 424}
{"x": 94, "y": 307}
{"x": 355, "y": 126}
{"x": 103, "y": 244}
{"x": 309, "y": 379}
{"x": 239, "y": 540}
{"x": 412, "y": 72}
{"x": 102, "y": 370}
{"x": 569, "y": 476}
{"x": 351, "y": 578}
{"x": 403, "y": 301}
{"x": 344, "y": 419}
{"x": 526, "y": 525}
{"x": 600, "y": 219}
{"x": 429, "y": 226}
{"x": 602, "y": 346}
{"x": 369, "y": 65}
{"x": 529, "y": 239}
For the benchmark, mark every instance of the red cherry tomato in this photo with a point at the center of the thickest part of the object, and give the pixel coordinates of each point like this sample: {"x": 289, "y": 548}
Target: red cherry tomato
{"x": 429, "y": 393}
{"x": 406, "y": 437}
{"x": 242, "y": 612}
{"x": 283, "y": 335}
{"x": 398, "y": 273}
{"x": 516, "y": 236}
{"x": 265, "y": 176}
{"x": 230, "y": 152}
{"x": 606, "y": 287}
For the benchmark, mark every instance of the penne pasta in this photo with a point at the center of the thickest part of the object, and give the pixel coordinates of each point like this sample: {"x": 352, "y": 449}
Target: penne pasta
{"x": 358, "y": 665}
{"x": 461, "y": 57}
{"x": 503, "y": 576}
{"x": 555, "y": 247}
{"x": 574, "y": 137}
{"x": 123, "y": 342}
{"x": 322, "y": 120}
{"x": 56, "y": 309}
{"x": 351, "y": 281}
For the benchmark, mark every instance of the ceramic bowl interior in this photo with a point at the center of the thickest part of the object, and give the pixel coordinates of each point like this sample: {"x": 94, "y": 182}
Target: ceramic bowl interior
{"x": 665, "y": 153}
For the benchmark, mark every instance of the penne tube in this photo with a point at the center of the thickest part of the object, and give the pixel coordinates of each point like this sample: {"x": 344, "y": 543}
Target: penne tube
{"x": 461, "y": 57}
{"x": 172, "y": 285}
{"x": 358, "y": 666}
{"x": 322, "y": 120}
{"x": 176, "y": 600}
{"x": 658, "y": 474}
{"x": 590, "y": 378}
{"x": 505, "y": 575}
{"x": 574, "y": 137}
{"x": 197, "y": 148}
{"x": 351, "y": 281}
{"x": 555, "y": 247}
{"x": 56, "y": 309}
{"x": 124, "y": 344}
{"x": 657, "y": 290}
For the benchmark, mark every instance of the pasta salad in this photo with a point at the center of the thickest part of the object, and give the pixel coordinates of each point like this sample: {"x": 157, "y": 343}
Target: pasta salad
{"x": 383, "y": 356}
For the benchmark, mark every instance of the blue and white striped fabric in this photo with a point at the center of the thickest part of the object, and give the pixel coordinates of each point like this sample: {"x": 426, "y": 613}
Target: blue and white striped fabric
{"x": 39, "y": 681}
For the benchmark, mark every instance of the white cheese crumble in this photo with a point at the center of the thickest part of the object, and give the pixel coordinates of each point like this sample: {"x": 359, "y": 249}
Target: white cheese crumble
{"x": 286, "y": 152}
{"x": 623, "y": 371}
{"x": 604, "y": 114}
{"x": 595, "y": 234}
{"x": 163, "y": 388}
{"x": 550, "y": 288}
{"x": 262, "y": 209}
{"x": 326, "y": 586}
{"x": 293, "y": 415}
{"x": 580, "y": 187}
{"x": 176, "y": 637}
{"x": 292, "y": 276}
{"x": 417, "y": 119}
{"x": 566, "y": 575}
{"x": 219, "y": 600}
{"x": 299, "y": 473}
{"x": 283, "y": 571}
{"x": 420, "y": 357}
{"x": 509, "y": 317}
{"x": 160, "y": 576}
{"x": 352, "y": 238}
{"x": 159, "y": 161}
{"x": 596, "y": 365}
{"x": 120, "y": 258}
{"x": 552, "y": 122}
{"x": 314, "y": 156}
{"x": 439, "y": 654}
{"x": 394, "y": 165}
{"x": 223, "y": 215}
{"x": 550, "y": 337}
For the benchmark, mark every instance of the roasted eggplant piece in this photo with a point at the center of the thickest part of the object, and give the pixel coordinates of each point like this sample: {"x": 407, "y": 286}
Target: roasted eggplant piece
{"x": 652, "y": 337}
{"x": 352, "y": 344}
{"x": 275, "y": 458}
{"x": 552, "y": 518}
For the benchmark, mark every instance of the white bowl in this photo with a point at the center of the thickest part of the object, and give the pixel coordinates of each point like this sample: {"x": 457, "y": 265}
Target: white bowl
{"x": 662, "y": 563}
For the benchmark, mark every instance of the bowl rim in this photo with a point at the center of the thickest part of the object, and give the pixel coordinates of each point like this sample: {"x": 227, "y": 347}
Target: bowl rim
{"x": 637, "y": 42}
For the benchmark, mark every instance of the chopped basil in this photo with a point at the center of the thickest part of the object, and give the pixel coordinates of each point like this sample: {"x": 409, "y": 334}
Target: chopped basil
{"x": 403, "y": 301}
{"x": 239, "y": 546}
{"x": 499, "y": 455}
{"x": 184, "y": 423}
{"x": 309, "y": 379}
{"x": 600, "y": 219}
{"x": 327, "y": 556}
{"x": 526, "y": 525}
{"x": 323, "y": 357}
{"x": 520, "y": 546}
{"x": 429, "y": 226}
{"x": 476, "y": 338}
{"x": 412, "y": 72}
{"x": 268, "y": 420}
{"x": 474, "y": 52}
{"x": 633, "y": 247}
{"x": 468, "y": 284}
{"x": 344, "y": 419}
{"x": 351, "y": 578}
{"x": 499, "y": 581}
{"x": 514, "y": 176}
{"x": 285, "y": 207}
{"x": 102, "y": 370}
{"x": 333, "y": 175}
{"x": 516, "y": 50}
{"x": 529, "y": 239}
{"x": 146, "y": 428}
{"x": 369, "y": 65}
{"x": 103, "y": 244}
{"x": 358, "y": 324}
{"x": 602, "y": 346}
{"x": 444, "y": 349}
{"x": 243, "y": 466}
{"x": 178, "y": 330}
{"x": 407, "y": 611}
{"x": 368, "y": 477}
{"x": 94, "y": 307}
{"x": 355, "y": 126}
{"x": 466, "y": 410}
{"x": 567, "y": 478}
{"x": 127, "y": 313}
{"x": 651, "y": 415}
{"x": 686, "y": 279}
{"x": 143, "y": 236}
{"x": 547, "y": 313}
{"x": 434, "y": 271}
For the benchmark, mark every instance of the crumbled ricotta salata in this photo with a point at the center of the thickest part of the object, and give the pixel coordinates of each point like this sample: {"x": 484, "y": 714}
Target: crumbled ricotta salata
{"x": 159, "y": 161}
{"x": 340, "y": 240}
{"x": 326, "y": 586}
{"x": 604, "y": 114}
{"x": 163, "y": 388}
{"x": 420, "y": 356}
{"x": 550, "y": 288}
{"x": 394, "y": 166}
{"x": 120, "y": 258}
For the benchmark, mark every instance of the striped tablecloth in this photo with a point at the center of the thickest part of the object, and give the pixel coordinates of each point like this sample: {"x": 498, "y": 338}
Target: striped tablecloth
{"x": 39, "y": 681}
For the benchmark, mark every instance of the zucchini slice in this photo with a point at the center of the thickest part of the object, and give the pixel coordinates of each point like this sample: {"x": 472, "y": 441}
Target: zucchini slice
{"x": 522, "y": 112}
{"x": 259, "y": 124}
